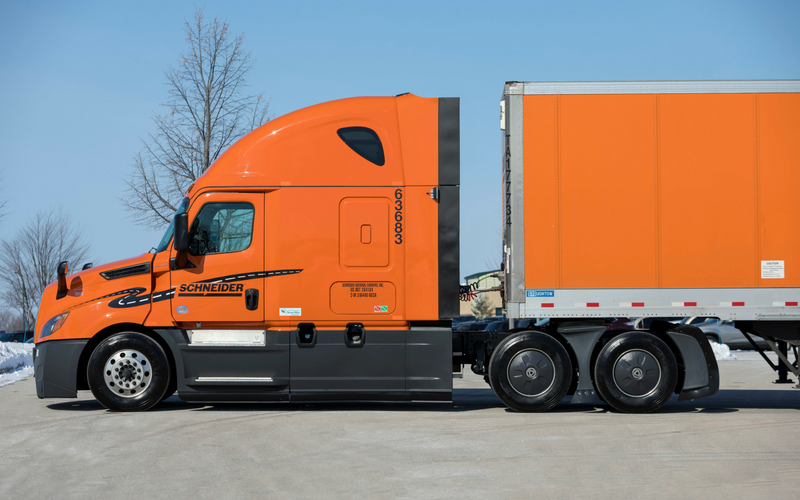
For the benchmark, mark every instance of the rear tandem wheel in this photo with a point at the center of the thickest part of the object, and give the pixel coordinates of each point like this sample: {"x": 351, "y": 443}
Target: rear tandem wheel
{"x": 636, "y": 372}
{"x": 530, "y": 371}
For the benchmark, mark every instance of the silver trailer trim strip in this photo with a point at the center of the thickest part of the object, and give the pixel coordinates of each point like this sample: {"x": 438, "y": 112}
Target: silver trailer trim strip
{"x": 654, "y": 87}
{"x": 724, "y": 303}
{"x": 514, "y": 205}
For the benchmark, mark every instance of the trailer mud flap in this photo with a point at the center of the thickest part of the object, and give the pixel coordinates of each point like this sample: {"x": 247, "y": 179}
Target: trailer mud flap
{"x": 701, "y": 377}
{"x": 582, "y": 339}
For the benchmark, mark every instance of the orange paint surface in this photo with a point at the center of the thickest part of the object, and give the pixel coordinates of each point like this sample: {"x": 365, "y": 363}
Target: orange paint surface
{"x": 779, "y": 183}
{"x": 541, "y": 191}
{"x": 673, "y": 190}
{"x": 89, "y": 312}
{"x": 364, "y": 232}
{"x": 707, "y": 190}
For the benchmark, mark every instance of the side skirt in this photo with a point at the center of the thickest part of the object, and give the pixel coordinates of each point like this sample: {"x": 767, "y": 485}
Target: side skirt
{"x": 418, "y": 360}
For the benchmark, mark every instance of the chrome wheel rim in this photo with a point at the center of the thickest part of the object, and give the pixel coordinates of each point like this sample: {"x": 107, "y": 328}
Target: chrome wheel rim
{"x": 531, "y": 373}
{"x": 637, "y": 373}
{"x": 127, "y": 373}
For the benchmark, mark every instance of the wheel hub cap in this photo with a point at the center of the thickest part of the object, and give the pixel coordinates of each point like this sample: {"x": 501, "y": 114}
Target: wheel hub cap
{"x": 531, "y": 372}
{"x": 127, "y": 373}
{"x": 637, "y": 373}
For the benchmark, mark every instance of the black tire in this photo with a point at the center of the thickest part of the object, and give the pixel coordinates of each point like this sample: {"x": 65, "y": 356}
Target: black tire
{"x": 636, "y": 372}
{"x": 530, "y": 371}
{"x": 155, "y": 369}
{"x": 172, "y": 388}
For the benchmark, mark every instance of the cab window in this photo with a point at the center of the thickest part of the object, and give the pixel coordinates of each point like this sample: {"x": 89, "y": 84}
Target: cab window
{"x": 221, "y": 228}
{"x": 365, "y": 142}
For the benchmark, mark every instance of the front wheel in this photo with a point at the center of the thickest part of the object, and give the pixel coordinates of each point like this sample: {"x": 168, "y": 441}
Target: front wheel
{"x": 636, "y": 372}
{"x": 530, "y": 371}
{"x": 128, "y": 372}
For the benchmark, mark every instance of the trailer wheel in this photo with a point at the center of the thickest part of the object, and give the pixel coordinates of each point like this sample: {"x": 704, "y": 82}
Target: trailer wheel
{"x": 128, "y": 372}
{"x": 530, "y": 371}
{"x": 636, "y": 372}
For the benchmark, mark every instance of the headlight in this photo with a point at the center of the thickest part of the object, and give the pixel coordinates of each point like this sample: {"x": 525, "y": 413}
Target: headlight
{"x": 53, "y": 325}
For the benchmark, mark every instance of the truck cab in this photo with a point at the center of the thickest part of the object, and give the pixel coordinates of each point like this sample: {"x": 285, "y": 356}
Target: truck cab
{"x": 317, "y": 258}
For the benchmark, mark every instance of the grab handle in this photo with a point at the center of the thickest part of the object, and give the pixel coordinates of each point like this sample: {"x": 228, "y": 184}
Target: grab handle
{"x": 355, "y": 335}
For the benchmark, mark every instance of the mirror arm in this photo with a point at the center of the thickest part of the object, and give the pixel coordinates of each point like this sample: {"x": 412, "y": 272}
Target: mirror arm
{"x": 63, "y": 269}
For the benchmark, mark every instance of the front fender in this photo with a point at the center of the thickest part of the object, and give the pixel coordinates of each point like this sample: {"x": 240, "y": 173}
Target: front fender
{"x": 130, "y": 303}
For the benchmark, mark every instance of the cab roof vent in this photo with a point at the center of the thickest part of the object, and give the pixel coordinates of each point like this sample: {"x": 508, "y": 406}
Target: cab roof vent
{"x": 123, "y": 272}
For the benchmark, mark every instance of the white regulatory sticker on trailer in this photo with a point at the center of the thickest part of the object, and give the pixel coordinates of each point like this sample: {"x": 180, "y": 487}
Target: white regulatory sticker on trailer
{"x": 771, "y": 269}
{"x": 290, "y": 311}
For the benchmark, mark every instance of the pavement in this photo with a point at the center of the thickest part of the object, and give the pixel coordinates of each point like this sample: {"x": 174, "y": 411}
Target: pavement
{"x": 743, "y": 442}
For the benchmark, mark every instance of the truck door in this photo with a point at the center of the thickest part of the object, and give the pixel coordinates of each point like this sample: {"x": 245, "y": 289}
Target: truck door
{"x": 219, "y": 298}
{"x": 223, "y": 281}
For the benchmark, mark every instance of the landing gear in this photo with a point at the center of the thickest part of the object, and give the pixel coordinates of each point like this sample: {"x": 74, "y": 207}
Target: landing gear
{"x": 530, "y": 371}
{"x": 128, "y": 372}
{"x": 636, "y": 373}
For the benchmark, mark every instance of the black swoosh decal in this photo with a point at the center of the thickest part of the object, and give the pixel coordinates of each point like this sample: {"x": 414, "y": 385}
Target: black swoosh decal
{"x": 250, "y": 276}
{"x": 132, "y": 297}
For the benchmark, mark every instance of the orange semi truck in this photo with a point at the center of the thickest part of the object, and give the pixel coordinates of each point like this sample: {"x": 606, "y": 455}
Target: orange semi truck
{"x": 317, "y": 259}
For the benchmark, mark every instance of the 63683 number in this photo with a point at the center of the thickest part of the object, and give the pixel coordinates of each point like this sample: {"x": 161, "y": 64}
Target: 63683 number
{"x": 398, "y": 216}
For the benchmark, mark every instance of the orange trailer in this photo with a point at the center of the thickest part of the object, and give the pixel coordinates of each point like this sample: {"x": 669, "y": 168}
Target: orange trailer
{"x": 317, "y": 258}
{"x": 652, "y": 199}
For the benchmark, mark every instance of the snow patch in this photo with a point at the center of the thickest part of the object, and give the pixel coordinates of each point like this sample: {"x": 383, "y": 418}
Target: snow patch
{"x": 722, "y": 352}
{"x": 16, "y": 363}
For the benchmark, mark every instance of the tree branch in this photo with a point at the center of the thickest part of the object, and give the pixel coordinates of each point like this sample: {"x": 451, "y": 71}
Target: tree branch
{"x": 208, "y": 111}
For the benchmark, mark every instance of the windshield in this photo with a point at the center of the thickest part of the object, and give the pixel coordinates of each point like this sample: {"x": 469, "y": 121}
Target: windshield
{"x": 168, "y": 235}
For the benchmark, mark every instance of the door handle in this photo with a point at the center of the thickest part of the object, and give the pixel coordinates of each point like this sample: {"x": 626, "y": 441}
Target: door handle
{"x": 251, "y": 299}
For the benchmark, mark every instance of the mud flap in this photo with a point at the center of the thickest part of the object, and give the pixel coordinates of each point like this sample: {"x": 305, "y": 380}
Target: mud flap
{"x": 582, "y": 339}
{"x": 701, "y": 377}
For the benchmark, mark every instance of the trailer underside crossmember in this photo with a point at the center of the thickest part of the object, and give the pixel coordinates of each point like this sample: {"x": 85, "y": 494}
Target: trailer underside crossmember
{"x": 779, "y": 347}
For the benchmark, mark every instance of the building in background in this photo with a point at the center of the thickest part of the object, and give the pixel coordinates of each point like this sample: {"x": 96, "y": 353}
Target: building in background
{"x": 485, "y": 280}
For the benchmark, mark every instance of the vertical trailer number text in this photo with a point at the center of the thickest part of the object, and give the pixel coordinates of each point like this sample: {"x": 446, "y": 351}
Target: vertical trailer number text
{"x": 398, "y": 216}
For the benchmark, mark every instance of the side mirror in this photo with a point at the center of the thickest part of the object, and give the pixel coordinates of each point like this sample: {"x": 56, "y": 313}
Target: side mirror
{"x": 181, "y": 237}
{"x": 63, "y": 269}
{"x": 87, "y": 266}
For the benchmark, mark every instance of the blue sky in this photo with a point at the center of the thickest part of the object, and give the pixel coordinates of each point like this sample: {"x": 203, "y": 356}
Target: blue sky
{"x": 80, "y": 81}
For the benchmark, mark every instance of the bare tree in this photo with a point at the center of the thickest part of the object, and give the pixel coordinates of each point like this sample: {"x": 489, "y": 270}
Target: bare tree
{"x": 11, "y": 321}
{"x": 3, "y": 203}
{"x": 208, "y": 111}
{"x": 29, "y": 260}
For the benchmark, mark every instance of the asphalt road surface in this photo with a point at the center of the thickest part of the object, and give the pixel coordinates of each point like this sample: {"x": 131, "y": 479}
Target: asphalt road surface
{"x": 743, "y": 442}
